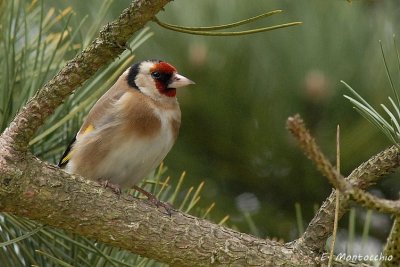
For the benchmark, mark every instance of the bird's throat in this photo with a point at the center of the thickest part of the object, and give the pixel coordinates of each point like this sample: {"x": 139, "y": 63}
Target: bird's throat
{"x": 170, "y": 92}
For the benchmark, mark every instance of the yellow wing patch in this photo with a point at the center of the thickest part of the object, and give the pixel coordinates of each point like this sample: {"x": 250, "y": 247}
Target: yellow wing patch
{"x": 66, "y": 158}
{"x": 69, "y": 151}
{"x": 88, "y": 129}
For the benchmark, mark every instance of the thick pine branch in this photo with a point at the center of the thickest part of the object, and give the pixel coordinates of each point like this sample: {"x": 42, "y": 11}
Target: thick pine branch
{"x": 52, "y": 197}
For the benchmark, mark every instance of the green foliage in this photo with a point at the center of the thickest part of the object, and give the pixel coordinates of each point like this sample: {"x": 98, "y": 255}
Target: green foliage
{"x": 391, "y": 126}
{"x": 33, "y": 45}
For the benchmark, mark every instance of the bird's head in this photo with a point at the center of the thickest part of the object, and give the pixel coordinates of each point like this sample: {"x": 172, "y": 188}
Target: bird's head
{"x": 156, "y": 78}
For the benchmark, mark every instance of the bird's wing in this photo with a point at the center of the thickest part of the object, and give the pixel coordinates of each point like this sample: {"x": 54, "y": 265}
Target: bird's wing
{"x": 99, "y": 114}
{"x": 69, "y": 151}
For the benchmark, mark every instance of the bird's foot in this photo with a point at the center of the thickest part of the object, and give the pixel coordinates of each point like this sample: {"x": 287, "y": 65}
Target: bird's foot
{"x": 106, "y": 183}
{"x": 154, "y": 200}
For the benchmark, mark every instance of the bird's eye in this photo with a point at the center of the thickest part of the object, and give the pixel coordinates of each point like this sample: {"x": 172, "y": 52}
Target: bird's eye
{"x": 155, "y": 74}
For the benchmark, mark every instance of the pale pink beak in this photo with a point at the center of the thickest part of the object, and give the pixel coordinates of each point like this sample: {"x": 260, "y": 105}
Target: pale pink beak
{"x": 179, "y": 81}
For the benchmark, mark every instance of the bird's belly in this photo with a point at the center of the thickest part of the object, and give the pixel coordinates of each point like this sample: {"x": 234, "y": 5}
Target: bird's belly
{"x": 131, "y": 161}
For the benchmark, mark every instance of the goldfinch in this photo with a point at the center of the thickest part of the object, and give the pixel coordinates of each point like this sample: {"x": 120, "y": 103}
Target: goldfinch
{"x": 130, "y": 129}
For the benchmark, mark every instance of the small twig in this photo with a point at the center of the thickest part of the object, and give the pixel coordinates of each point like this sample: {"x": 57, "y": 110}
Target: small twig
{"x": 335, "y": 223}
{"x": 392, "y": 250}
{"x": 370, "y": 201}
{"x": 225, "y": 26}
{"x": 321, "y": 226}
{"x": 210, "y": 31}
{"x": 312, "y": 151}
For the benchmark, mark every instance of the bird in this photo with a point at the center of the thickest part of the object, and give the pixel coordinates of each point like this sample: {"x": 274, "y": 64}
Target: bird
{"x": 130, "y": 129}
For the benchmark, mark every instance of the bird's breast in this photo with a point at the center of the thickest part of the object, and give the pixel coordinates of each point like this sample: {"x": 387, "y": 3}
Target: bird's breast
{"x": 141, "y": 146}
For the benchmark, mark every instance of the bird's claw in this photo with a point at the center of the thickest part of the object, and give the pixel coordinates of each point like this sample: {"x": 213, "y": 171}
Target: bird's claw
{"x": 150, "y": 197}
{"x": 155, "y": 201}
{"x": 114, "y": 187}
{"x": 158, "y": 203}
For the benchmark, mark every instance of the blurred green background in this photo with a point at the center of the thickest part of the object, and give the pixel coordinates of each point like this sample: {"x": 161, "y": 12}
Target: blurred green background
{"x": 233, "y": 132}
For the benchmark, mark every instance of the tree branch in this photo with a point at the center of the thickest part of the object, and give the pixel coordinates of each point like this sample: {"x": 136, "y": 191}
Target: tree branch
{"x": 49, "y": 195}
{"x": 392, "y": 245}
{"x": 369, "y": 172}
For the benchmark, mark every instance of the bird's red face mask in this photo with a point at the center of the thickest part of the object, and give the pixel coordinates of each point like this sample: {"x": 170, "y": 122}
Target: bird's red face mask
{"x": 167, "y": 79}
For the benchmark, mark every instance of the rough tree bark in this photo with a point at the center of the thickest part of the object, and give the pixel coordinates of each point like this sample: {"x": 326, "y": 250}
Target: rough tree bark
{"x": 38, "y": 190}
{"x": 368, "y": 173}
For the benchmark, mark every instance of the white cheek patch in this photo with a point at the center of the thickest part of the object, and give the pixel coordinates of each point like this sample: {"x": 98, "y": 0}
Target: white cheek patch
{"x": 146, "y": 84}
{"x": 144, "y": 80}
